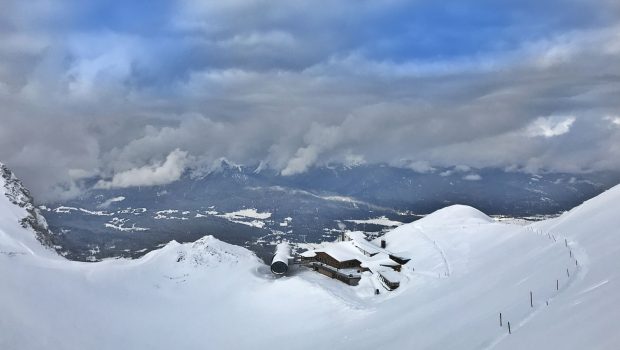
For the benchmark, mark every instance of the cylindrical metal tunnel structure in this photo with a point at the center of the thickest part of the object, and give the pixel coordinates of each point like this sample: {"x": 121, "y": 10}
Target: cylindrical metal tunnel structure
{"x": 280, "y": 260}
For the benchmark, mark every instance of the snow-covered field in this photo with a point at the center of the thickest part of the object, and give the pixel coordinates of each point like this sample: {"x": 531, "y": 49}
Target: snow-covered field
{"x": 382, "y": 221}
{"x": 465, "y": 269}
{"x": 120, "y": 225}
{"x": 248, "y": 217}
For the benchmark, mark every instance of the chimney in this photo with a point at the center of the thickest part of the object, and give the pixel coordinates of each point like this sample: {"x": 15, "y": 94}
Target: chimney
{"x": 383, "y": 244}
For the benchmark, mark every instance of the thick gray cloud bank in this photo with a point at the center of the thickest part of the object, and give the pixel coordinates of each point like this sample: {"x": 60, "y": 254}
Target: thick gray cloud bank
{"x": 138, "y": 91}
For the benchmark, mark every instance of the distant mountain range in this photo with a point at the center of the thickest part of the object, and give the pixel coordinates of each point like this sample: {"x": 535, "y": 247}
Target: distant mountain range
{"x": 257, "y": 207}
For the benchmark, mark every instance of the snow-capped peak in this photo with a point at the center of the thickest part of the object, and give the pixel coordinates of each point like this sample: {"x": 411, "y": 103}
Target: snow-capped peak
{"x": 454, "y": 215}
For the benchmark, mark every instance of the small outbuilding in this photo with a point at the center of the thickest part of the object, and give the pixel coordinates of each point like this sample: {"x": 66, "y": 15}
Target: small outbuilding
{"x": 390, "y": 278}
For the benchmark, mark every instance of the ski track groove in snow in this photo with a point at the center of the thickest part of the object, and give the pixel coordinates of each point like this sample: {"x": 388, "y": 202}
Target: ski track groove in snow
{"x": 439, "y": 249}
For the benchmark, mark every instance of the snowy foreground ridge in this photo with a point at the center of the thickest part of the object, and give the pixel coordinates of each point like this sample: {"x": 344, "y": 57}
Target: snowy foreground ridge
{"x": 212, "y": 295}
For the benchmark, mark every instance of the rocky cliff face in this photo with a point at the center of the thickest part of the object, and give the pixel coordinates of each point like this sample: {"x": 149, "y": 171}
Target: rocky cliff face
{"x": 17, "y": 194}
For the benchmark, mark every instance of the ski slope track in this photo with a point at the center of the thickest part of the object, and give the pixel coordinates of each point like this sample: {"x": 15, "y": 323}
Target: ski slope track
{"x": 465, "y": 270}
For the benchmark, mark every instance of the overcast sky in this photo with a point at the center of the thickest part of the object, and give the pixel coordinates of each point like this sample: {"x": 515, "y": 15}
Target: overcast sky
{"x": 137, "y": 91}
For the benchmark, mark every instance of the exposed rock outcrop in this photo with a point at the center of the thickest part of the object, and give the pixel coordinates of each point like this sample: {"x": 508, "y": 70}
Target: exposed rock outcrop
{"x": 20, "y": 196}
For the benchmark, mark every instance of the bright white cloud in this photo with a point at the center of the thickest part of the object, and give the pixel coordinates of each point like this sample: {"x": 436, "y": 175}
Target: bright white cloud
{"x": 319, "y": 139}
{"x": 421, "y": 167}
{"x": 110, "y": 201}
{"x": 613, "y": 120}
{"x": 550, "y": 126}
{"x": 151, "y": 175}
{"x": 472, "y": 177}
{"x": 303, "y": 159}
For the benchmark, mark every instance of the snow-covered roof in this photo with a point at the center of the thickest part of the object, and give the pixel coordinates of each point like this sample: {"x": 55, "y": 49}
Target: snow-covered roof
{"x": 362, "y": 244}
{"x": 357, "y": 248}
{"x": 390, "y": 275}
{"x": 358, "y": 239}
{"x": 355, "y": 235}
{"x": 308, "y": 254}
{"x": 378, "y": 262}
{"x": 342, "y": 251}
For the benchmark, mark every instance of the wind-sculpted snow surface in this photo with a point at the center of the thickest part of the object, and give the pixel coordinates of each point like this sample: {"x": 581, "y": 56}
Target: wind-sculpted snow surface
{"x": 465, "y": 270}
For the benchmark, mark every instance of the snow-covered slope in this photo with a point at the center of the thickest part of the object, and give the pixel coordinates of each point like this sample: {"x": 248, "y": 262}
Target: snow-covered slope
{"x": 586, "y": 315}
{"x": 465, "y": 270}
